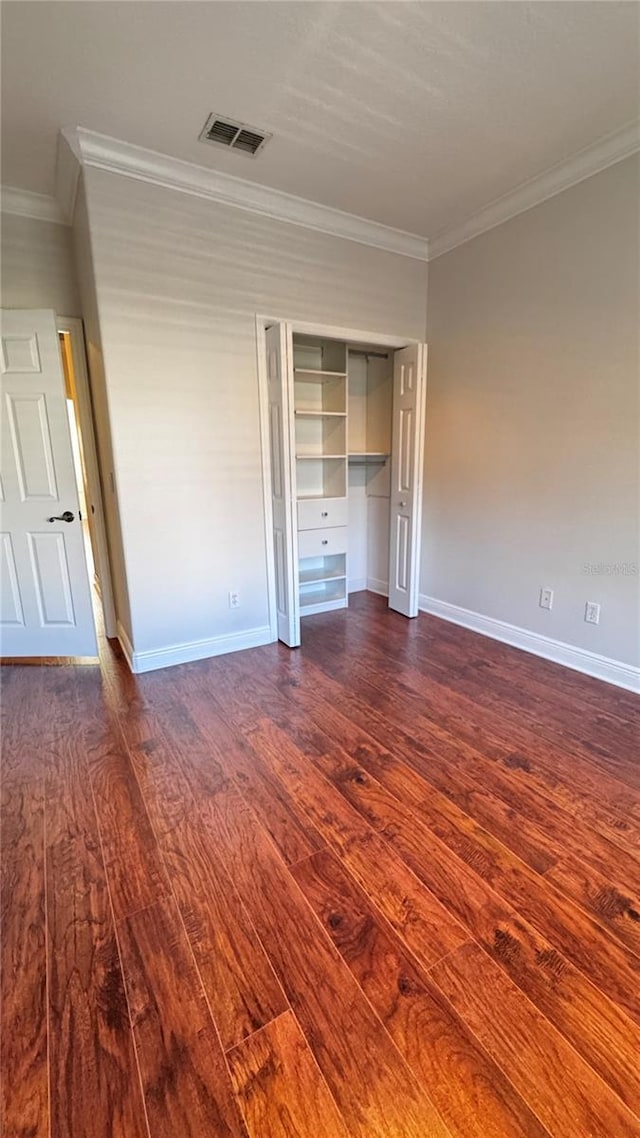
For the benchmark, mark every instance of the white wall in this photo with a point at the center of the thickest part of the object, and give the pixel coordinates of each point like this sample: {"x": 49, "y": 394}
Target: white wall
{"x": 532, "y": 417}
{"x": 179, "y": 281}
{"x": 37, "y": 265}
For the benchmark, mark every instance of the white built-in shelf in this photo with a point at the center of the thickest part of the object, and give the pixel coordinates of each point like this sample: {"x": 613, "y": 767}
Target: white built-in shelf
{"x": 308, "y": 609}
{"x": 321, "y": 456}
{"x": 300, "y": 412}
{"x": 317, "y": 576}
{"x": 316, "y": 375}
{"x": 316, "y": 497}
{"x": 368, "y": 456}
{"x": 331, "y": 594}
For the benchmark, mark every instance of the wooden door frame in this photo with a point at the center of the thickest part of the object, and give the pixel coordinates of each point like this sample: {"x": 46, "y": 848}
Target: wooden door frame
{"x": 72, "y": 325}
{"x": 300, "y": 328}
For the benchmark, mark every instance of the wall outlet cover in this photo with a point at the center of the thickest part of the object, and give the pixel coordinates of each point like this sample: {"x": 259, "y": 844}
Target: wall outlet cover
{"x": 546, "y": 599}
{"x": 592, "y": 612}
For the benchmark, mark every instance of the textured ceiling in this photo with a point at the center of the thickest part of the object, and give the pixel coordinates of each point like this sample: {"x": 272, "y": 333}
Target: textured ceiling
{"x": 413, "y": 114}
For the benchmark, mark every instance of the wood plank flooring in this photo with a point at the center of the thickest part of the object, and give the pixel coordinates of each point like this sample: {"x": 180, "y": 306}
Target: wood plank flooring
{"x": 384, "y": 886}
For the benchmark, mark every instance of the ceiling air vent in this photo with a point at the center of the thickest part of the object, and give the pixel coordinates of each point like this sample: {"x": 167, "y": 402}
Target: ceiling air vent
{"x": 234, "y": 135}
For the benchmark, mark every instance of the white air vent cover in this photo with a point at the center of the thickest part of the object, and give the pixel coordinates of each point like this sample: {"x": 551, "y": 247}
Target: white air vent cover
{"x": 234, "y": 135}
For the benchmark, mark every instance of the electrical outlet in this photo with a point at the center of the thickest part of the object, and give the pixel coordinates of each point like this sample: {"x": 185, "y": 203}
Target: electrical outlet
{"x": 592, "y": 612}
{"x": 234, "y": 600}
{"x": 546, "y": 599}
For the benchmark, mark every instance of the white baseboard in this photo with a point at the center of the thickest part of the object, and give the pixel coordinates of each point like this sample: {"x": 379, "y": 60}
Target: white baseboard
{"x": 357, "y": 584}
{"x": 376, "y": 586}
{"x": 153, "y": 658}
{"x": 580, "y": 659}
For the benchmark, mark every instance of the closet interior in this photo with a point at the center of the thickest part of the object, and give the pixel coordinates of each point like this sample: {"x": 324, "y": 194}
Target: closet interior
{"x": 342, "y": 407}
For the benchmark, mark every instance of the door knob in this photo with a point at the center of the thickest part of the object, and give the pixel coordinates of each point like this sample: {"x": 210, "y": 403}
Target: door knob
{"x": 66, "y": 517}
{"x": 402, "y": 504}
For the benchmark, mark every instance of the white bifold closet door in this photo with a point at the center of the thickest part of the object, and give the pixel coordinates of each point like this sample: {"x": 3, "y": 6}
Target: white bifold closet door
{"x": 279, "y": 345}
{"x": 407, "y": 459}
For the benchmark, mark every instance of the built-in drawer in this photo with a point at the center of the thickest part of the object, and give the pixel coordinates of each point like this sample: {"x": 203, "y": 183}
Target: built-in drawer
{"x": 322, "y": 542}
{"x": 323, "y": 512}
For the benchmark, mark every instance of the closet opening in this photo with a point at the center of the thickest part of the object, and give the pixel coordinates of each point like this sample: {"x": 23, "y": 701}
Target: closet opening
{"x": 343, "y": 438}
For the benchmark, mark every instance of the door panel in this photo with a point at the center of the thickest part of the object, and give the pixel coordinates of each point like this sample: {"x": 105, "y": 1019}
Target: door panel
{"x": 10, "y": 603}
{"x": 20, "y": 353}
{"x": 276, "y": 448}
{"x": 51, "y": 578}
{"x": 407, "y": 446}
{"x": 31, "y": 439}
{"x": 46, "y": 605}
{"x": 280, "y": 392}
{"x": 401, "y": 574}
{"x": 409, "y": 392}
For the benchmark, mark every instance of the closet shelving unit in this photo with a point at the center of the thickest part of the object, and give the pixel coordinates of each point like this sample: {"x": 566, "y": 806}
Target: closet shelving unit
{"x": 321, "y": 457}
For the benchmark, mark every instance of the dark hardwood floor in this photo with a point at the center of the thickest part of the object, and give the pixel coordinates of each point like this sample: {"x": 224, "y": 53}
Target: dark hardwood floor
{"x": 385, "y": 886}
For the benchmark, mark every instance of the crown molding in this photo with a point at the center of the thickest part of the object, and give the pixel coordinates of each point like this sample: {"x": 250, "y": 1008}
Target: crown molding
{"x": 25, "y": 203}
{"x": 104, "y": 153}
{"x": 592, "y": 160}
{"x": 77, "y": 147}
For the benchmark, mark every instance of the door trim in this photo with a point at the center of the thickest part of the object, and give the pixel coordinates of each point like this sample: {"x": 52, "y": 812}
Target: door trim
{"x": 73, "y": 326}
{"x": 302, "y": 328}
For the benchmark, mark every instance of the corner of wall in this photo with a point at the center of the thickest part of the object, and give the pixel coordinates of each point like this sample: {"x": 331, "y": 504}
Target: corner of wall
{"x": 83, "y": 254}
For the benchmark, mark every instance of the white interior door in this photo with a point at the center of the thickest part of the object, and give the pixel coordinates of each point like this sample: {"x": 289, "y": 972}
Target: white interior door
{"x": 281, "y": 438}
{"x": 44, "y": 583}
{"x": 409, "y": 394}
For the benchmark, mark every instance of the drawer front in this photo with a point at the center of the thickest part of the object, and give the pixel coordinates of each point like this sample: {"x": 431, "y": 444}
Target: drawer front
{"x": 322, "y": 542}
{"x": 322, "y": 512}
